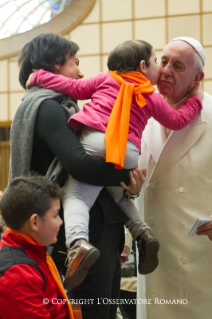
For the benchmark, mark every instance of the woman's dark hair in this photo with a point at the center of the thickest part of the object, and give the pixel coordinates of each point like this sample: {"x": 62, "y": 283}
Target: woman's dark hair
{"x": 25, "y": 196}
{"x": 43, "y": 52}
{"x": 128, "y": 55}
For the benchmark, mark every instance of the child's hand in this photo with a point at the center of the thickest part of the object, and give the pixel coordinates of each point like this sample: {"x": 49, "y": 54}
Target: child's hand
{"x": 198, "y": 91}
{"x": 28, "y": 81}
{"x": 29, "y": 78}
{"x": 137, "y": 179}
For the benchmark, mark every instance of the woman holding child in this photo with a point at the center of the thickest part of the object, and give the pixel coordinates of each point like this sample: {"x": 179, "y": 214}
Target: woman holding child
{"x": 40, "y": 134}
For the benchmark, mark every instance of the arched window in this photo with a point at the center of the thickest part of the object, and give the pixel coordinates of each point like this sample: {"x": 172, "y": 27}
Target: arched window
{"x": 22, "y": 20}
{"x": 19, "y": 16}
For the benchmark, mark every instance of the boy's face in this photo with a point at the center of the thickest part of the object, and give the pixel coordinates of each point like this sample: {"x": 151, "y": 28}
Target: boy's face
{"x": 70, "y": 69}
{"x": 153, "y": 70}
{"x": 48, "y": 226}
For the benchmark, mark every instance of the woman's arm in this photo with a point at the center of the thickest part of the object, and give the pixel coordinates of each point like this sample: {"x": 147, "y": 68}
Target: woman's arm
{"x": 52, "y": 129}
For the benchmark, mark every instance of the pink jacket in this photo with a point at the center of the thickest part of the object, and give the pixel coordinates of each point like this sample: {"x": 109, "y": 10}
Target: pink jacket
{"x": 103, "y": 91}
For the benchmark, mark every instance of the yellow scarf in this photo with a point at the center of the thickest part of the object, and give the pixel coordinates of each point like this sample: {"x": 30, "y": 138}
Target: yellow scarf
{"x": 116, "y": 134}
{"x": 51, "y": 266}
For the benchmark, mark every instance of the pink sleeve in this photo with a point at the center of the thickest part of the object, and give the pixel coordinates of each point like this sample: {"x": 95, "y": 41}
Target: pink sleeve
{"x": 77, "y": 89}
{"x": 169, "y": 117}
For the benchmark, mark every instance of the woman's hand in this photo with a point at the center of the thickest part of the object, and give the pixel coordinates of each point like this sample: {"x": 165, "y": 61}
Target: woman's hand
{"x": 137, "y": 179}
{"x": 125, "y": 255}
{"x": 205, "y": 229}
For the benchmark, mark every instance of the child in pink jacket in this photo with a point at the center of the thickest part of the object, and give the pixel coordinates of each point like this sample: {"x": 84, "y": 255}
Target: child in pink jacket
{"x": 111, "y": 126}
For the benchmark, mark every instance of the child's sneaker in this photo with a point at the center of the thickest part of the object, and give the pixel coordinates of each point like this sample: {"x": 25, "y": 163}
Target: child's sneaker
{"x": 148, "y": 247}
{"x": 79, "y": 259}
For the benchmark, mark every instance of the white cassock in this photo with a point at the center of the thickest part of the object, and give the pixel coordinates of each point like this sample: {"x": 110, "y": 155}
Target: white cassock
{"x": 178, "y": 191}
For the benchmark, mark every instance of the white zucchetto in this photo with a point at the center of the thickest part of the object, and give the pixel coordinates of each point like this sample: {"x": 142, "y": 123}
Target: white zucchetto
{"x": 195, "y": 44}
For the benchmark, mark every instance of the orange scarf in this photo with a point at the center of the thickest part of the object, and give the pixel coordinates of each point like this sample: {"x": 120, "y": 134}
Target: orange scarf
{"x": 116, "y": 134}
{"x": 51, "y": 266}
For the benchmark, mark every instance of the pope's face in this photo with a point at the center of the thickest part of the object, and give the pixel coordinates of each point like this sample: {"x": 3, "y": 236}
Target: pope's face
{"x": 177, "y": 74}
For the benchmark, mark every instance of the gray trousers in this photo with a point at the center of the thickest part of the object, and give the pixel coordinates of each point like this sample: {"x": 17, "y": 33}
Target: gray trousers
{"x": 80, "y": 197}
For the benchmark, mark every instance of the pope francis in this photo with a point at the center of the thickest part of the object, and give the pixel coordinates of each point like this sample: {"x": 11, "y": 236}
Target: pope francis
{"x": 178, "y": 191}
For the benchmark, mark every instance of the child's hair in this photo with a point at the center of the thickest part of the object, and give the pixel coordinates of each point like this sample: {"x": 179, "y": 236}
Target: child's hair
{"x": 128, "y": 55}
{"x": 43, "y": 52}
{"x": 25, "y": 196}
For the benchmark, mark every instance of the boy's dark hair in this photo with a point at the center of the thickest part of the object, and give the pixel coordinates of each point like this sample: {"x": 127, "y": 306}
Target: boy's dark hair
{"x": 25, "y": 196}
{"x": 43, "y": 52}
{"x": 128, "y": 55}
